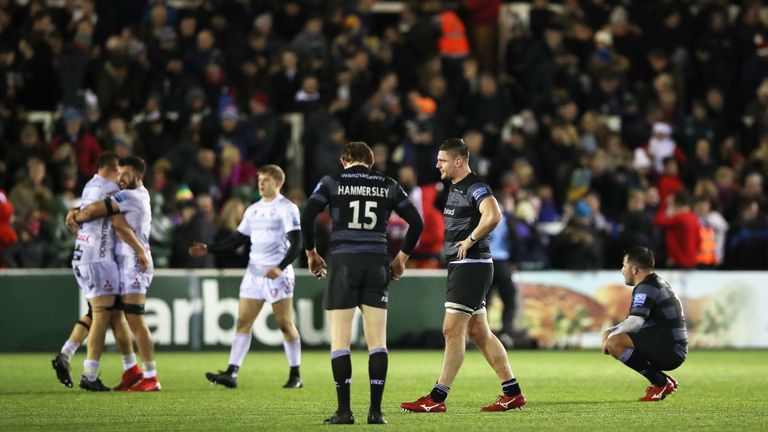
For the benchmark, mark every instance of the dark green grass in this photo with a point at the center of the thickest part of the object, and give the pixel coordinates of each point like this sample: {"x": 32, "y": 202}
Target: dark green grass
{"x": 582, "y": 390}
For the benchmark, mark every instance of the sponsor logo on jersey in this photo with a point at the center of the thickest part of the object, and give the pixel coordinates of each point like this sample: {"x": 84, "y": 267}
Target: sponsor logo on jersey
{"x": 106, "y": 230}
{"x": 479, "y": 193}
{"x": 121, "y": 196}
{"x": 449, "y": 211}
{"x": 639, "y": 300}
{"x": 362, "y": 191}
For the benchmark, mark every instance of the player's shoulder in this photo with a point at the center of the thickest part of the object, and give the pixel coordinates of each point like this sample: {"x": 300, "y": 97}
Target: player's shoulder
{"x": 109, "y": 187}
{"x": 326, "y": 181}
{"x": 138, "y": 194}
{"x": 389, "y": 180}
{"x": 284, "y": 202}
{"x": 652, "y": 283}
{"x": 477, "y": 186}
{"x": 252, "y": 208}
{"x": 475, "y": 181}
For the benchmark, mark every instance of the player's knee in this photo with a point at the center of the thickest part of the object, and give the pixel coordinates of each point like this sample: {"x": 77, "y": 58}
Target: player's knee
{"x": 615, "y": 346}
{"x": 133, "y": 309}
{"x": 453, "y": 331}
{"x": 285, "y": 325}
{"x": 99, "y": 310}
{"x": 244, "y": 326}
{"x": 476, "y": 333}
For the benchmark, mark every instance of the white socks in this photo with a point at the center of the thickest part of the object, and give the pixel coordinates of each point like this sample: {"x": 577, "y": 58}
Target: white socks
{"x": 91, "y": 369}
{"x": 240, "y": 347}
{"x": 129, "y": 361}
{"x": 69, "y": 348}
{"x": 150, "y": 369}
{"x": 293, "y": 352}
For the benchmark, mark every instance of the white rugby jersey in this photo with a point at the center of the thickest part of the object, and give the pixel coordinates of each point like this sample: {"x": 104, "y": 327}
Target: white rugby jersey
{"x": 134, "y": 205}
{"x": 95, "y": 239}
{"x": 267, "y": 224}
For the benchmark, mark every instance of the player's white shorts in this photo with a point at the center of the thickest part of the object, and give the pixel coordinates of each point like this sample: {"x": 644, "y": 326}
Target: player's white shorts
{"x": 97, "y": 279}
{"x": 266, "y": 289}
{"x": 132, "y": 280}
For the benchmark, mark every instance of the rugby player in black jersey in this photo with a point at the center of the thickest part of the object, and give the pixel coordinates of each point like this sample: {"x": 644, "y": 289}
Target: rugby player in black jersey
{"x": 360, "y": 202}
{"x": 471, "y": 213}
{"x": 654, "y": 337}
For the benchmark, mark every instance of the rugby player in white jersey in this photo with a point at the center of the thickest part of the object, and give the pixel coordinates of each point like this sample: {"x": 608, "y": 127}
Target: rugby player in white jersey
{"x": 272, "y": 225}
{"x": 134, "y": 262}
{"x": 93, "y": 263}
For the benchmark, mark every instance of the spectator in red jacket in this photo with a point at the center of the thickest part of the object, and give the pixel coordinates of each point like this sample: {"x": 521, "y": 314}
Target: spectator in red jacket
{"x": 7, "y": 234}
{"x": 427, "y": 251}
{"x": 681, "y": 230}
{"x": 669, "y": 182}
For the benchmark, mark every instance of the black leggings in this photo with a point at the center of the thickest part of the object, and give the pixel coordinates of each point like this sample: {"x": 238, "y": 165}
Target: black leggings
{"x": 502, "y": 281}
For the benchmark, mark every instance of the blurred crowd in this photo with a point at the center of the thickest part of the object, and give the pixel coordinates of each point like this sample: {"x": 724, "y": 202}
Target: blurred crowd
{"x": 600, "y": 124}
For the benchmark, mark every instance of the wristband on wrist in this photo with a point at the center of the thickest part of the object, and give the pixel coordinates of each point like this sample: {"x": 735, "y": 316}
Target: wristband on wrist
{"x": 471, "y": 237}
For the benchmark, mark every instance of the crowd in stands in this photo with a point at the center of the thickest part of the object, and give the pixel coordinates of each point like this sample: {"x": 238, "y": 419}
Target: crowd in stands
{"x": 600, "y": 124}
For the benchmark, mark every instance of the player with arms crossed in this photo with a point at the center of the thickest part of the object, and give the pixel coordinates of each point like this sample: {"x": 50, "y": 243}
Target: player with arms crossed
{"x": 95, "y": 269}
{"x": 272, "y": 226}
{"x": 360, "y": 201}
{"x": 654, "y": 337}
{"x": 471, "y": 213}
{"x": 135, "y": 266}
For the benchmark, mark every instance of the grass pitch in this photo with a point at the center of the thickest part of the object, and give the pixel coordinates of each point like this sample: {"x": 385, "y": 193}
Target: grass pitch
{"x": 579, "y": 390}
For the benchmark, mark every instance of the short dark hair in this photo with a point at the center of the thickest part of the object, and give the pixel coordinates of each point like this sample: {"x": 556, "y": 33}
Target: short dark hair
{"x": 136, "y": 163}
{"x": 106, "y": 159}
{"x": 456, "y": 146}
{"x": 357, "y": 151}
{"x": 682, "y": 198}
{"x": 641, "y": 256}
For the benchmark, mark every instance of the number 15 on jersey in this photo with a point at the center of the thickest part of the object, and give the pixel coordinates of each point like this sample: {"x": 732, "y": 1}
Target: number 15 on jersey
{"x": 369, "y": 215}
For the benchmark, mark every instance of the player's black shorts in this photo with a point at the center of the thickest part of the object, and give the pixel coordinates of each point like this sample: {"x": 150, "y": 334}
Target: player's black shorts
{"x": 467, "y": 286}
{"x": 357, "y": 279}
{"x": 659, "y": 348}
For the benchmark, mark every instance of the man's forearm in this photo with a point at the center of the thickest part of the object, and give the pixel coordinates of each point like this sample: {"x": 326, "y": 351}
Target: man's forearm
{"x": 125, "y": 232}
{"x": 293, "y": 250}
{"x": 632, "y": 324}
{"x": 94, "y": 211}
{"x": 484, "y": 227}
{"x": 230, "y": 243}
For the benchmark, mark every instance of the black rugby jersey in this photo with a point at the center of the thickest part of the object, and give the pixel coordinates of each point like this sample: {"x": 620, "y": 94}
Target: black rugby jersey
{"x": 654, "y": 300}
{"x": 360, "y": 202}
{"x": 462, "y": 215}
